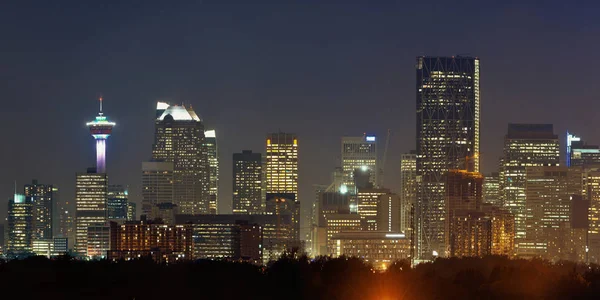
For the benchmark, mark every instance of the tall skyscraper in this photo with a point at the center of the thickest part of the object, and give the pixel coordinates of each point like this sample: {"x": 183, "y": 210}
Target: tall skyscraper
{"x": 550, "y": 233}
{"x": 247, "y": 182}
{"x": 448, "y": 117}
{"x": 20, "y": 225}
{"x": 91, "y": 192}
{"x": 359, "y": 153}
{"x": 64, "y": 218}
{"x": 179, "y": 138}
{"x": 463, "y": 194}
{"x": 210, "y": 142}
{"x": 282, "y": 177}
{"x": 117, "y": 203}
{"x": 408, "y": 190}
{"x": 101, "y": 129}
{"x": 282, "y": 163}
{"x": 157, "y": 185}
{"x": 42, "y": 197}
{"x": 368, "y": 206}
{"x": 525, "y": 145}
{"x": 581, "y": 154}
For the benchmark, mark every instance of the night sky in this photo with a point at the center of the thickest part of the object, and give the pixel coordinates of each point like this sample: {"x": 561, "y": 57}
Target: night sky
{"x": 321, "y": 70}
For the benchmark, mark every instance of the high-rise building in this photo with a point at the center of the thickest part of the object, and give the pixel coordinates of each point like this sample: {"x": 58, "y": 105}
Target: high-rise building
{"x": 491, "y": 189}
{"x": 157, "y": 185}
{"x": 549, "y": 206}
{"x": 101, "y": 129}
{"x": 179, "y": 138}
{"x": 91, "y": 192}
{"x": 64, "y": 219}
{"x": 388, "y": 213}
{"x": 408, "y": 191}
{"x": 131, "y": 211}
{"x": 463, "y": 196}
{"x": 282, "y": 178}
{"x": 337, "y": 223}
{"x": 210, "y": 142}
{"x": 117, "y": 203}
{"x": 592, "y": 190}
{"x": 98, "y": 241}
{"x": 20, "y": 225}
{"x": 282, "y": 163}
{"x": 368, "y": 206}
{"x": 42, "y": 197}
{"x": 581, "y": 154}
{"x": 247, "y": 182}
{"x": 525, "y": 145}
{"x": 359, "y": 153}
{"x": 448, "y": 118}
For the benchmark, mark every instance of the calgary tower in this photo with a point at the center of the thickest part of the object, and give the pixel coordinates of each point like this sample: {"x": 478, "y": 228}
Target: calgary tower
{"x": 101, "y": 129}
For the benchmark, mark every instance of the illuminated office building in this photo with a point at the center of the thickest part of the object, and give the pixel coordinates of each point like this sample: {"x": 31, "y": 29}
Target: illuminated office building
{"x": 179, "y": 138}
{"x": 282, "y": 164}
{"x": 491, "y": 189}
{"x": 210, "y": 142}
{"x": 581, "y": 154}
{"x": 247, "y": 182}
{"x": 378, "y": 248}
{"x": 98, "y": 241}
{"x": 592, "y": 190}
{"x": 282, "y": 178}
{"x": 337, "y": 223}
{"x": 368, "y": 204}
{"x": 448, "y": 133}
{"x": 116, "y": 203}
{"x": 549, "y": 207}
{"x": 161, "y": 242}
{"x": 408, "y": 190}
{"x": 157, "y": 185}
{"x": 328, "y": 203}
{"x": 525, "y": 145}
{"x": 64, "y": 219}
{"x": 463, "y": 194}
{"x": 359, "y": 153}
{"x": 91, "y": 191}
{"x": 222, "y": 236}
{"x": 131, "y": 211}
{"x": 20, "y": 225}
{"x": 42, "y": 197}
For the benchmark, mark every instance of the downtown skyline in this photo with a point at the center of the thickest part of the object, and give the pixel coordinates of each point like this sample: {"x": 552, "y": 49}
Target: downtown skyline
{"x": 237, "y": 106}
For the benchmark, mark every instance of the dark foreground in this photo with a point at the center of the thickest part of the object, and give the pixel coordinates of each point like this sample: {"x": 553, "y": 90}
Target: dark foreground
{"x": 288, "y": 278}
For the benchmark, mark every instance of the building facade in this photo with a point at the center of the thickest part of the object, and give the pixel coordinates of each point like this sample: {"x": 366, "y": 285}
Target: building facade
{"x": 20, "y": 226}
{"x": 525, "y": 145}
{"x": 491, "y": 189}
{"x": 359, "y": 153}
{"x": 378, "y": 248}
{"x": 448, "y": 131}
{"x": 580, "y": 154}
{"x": 210, "y": 142}
{"x": 131, "y": 211}
{"x": 408, "y": 190}
{"x": 91, "y": 193}
{"x": 116, "y": 203}
{"x": 179, "y": 138}
{"x": 247, "y": 183}
{"x": 42, "y": 197}
{"x": 157, "y": 185}
{"x": 549, "y": 205}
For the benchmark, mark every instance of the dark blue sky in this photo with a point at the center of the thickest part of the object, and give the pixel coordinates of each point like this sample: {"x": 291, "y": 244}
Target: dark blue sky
{"x": 322, "y": 69}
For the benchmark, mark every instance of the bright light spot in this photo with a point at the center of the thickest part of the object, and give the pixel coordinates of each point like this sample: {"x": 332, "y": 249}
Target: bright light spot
{"x": 435, "y": 253}
{"x": 343, "y": 189}
{"x": 364, "y": 168}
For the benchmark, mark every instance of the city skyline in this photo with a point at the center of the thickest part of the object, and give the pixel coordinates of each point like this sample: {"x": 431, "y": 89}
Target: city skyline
{"x": 71, "y": 104}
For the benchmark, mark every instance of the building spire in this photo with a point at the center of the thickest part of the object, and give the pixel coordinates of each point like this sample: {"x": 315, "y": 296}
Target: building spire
{"x": 100, "y": 100}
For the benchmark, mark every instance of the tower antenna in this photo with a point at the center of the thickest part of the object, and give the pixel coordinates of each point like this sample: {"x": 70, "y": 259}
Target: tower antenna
{"x": 100, "y": 100}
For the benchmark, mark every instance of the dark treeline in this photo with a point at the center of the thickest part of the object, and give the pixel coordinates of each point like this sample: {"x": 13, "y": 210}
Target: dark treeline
{"x": 290, "y": 278}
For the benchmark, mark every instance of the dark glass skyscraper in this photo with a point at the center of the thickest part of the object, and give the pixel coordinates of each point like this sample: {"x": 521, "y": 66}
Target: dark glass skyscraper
{"x": 20, "y": 225}
{"x": 117, "y": 203}
{"x": 179, "y": 138}
{"x": 247, "y": 182}
{"x": 42, "y": 197}
{"x": 448, "y": 117}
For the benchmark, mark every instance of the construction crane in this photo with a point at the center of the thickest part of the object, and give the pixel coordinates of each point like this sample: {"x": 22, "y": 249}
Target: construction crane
{"x": 385, "y": 150}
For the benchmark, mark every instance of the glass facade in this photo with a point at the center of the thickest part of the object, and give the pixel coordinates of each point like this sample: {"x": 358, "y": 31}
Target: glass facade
{"x": 247, "y": 183}
{"x": 91, "y": 192}
{"x": 20, "y": 225}
{"x": 525, "y": 145}
{"x": 210, "y": 142}
{"x": 448, "y": 118}
{"x": 117, "y": 203}
{"x": 42, "y": 196}
{"x": 157, "y": 185}
{"x": 359, "y": 153}
{"x": 179, "y": 138}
